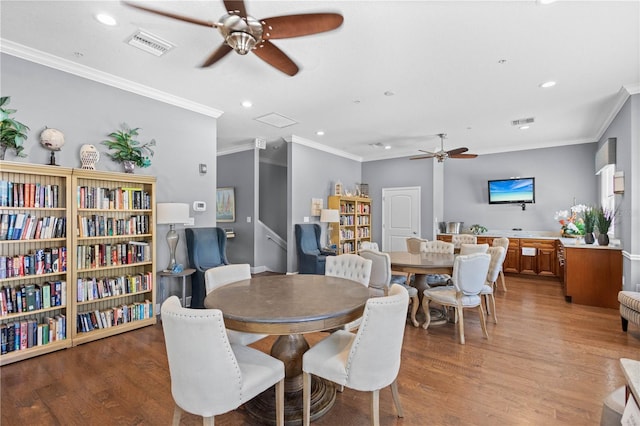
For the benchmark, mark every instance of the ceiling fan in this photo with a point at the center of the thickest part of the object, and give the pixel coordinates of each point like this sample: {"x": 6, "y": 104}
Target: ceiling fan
{"x": 442, "y": 154}
{"x": 244, "y": 33}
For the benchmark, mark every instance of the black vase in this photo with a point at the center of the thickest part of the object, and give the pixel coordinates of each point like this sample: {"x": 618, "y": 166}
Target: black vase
{"x": 603, "y": 240}
{"x": 589, "y": 238}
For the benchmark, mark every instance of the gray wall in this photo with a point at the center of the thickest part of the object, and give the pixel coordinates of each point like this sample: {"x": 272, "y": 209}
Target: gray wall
{"x": 311, "y": 174}
{"x": 237, "y": 170}
{"x": 87, "y": 111}
{"x": 273, "y": 197}
{"x": 562, "y": 174}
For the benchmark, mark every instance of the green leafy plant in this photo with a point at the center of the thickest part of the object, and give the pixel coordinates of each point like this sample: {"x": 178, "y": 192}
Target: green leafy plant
{"x": 477, "y": 229}
{"x": 128, "y": 149}
{"x": 589, "y": 217}
{"x": 604, "y": 218}
{"x": 12, "y": 132}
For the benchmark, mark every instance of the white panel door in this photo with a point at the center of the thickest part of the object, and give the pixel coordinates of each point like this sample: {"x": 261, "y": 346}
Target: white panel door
{"x": 400, "y": 217}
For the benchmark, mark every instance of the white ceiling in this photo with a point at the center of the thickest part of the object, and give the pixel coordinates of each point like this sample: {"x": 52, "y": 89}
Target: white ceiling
{"x": 440, "y": 59}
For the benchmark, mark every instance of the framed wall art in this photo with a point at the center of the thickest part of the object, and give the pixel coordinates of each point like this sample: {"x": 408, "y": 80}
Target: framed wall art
{"x": 225, "y": 205}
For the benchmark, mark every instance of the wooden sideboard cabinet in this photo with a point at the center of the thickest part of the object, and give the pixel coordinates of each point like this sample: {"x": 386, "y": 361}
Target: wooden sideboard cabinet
{"x": 543, "y": 261}
{"x": 592, "y": 275}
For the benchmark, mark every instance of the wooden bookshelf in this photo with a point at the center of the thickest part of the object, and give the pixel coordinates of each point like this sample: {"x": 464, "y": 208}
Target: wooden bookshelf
{"x": 122, "y": 226}
{"x": 355, "y": 222}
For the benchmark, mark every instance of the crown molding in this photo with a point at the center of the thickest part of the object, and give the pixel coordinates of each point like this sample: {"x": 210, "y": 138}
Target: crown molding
{"x": 235, "y": 148}
{"x": 621, "y": 97}
{"x": 18, "y": 50}
{"x": 321, "y": 147}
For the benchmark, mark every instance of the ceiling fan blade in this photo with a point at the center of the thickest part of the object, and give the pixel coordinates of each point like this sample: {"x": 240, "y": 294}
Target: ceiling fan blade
{"x": 217, "y": 55}
{"x": 173, "y": 15}
{"x": 236, "y": 6}
{"x": 427, "y": 152}
{"x": 300, "y": 25}
{"x": 275, "y": 57}
{"x": 463, "y": 155}
{"x": 457, "y": 151}
{"x": 420, "y": 157}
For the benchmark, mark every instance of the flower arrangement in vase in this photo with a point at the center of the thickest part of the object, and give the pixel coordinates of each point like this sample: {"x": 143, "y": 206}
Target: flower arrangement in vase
{"x": 571, "y": 221}
{"x": 129, "y": 151}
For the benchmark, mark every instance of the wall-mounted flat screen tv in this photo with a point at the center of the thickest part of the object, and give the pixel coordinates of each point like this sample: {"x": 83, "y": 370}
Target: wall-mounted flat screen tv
{"x": 514, "y": 190}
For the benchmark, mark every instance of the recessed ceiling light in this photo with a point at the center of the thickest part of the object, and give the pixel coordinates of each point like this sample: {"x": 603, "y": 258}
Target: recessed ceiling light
{"x": 105, "y": 19}
{"x": 546, "y": 1}
{"x": 387, "y": 147}
{"x": 320, "y": 133}
{"x": 547, "y": 84}
{"x": 524, "y": 127}
{"x": 247, "y": 104}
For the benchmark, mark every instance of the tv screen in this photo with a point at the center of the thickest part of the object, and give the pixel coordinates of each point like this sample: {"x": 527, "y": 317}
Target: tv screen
{"x": 516, "y": 190}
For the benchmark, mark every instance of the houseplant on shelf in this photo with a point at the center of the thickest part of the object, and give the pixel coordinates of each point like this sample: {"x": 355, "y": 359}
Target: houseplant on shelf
{"x": 604, "y": 218}
{"x": 12, "y": 132}
{"x": 129, "y": 151}
{"x": 589, "y": 218}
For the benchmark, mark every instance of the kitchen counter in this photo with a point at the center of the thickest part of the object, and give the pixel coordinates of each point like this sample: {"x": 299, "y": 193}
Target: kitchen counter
{"x": 548, "y": 235}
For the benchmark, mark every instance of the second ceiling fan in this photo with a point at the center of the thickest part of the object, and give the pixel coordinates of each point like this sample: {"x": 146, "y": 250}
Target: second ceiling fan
{"x": 442, "y": 154}
{"x": 244, "y": 33}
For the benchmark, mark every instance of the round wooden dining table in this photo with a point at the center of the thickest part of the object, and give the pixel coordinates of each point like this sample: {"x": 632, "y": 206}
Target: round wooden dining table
{"x": 289, "y": 306}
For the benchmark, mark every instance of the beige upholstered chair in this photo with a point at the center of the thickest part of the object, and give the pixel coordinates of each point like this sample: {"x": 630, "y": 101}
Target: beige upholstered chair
{"x": 351, "y": 267}
{"x": 497, "y": 256}
{"x": 438, "y": 246}
{"x": 414, "y": 245}
{"x": 368, "y": 245}
{"x": 210, "y": 376}
{"x": 381, "y": 280}
{"x": 473, "y": 248}
{"x": 458, "y": 239}
{"x": 227, "y": 274}
{"x": 469, "y": 276}
{"x": 502, "y": 242}
{"x": 366, "y": 361}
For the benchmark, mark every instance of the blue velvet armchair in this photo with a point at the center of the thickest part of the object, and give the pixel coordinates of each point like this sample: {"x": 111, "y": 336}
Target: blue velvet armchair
{"x": 206, "y": 248}
{"x": 311, "y": 257}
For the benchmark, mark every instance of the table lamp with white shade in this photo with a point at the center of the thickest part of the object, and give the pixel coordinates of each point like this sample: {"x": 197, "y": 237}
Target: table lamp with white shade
{"x": 171, "y": 214}
{"x": 329, "y": 216}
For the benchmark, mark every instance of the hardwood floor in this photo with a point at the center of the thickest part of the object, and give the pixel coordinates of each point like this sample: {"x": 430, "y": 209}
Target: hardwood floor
{"x": 546, "y": 362}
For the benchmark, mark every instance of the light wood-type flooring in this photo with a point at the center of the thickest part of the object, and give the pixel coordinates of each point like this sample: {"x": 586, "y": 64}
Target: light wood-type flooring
{"x": 547, "y": 362}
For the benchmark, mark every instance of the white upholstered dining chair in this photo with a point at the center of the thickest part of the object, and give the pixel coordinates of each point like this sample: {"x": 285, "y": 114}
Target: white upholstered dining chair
{"x": 497, "y": 256}
{"x": 227, "y": 274}
{"x": 414, "y": 245}
{"x": 502, "y": 242}
{"x": 351, "y": 267}
{"x": 438, "y": 246}
{"x": 209, "y": 375}
{"x": 381, "y": 280}
{"x": 368, "y": 360}
{"x": 469, "y": 277}
{"x": 473, "y": 248}
{"x": 458, "y": 239}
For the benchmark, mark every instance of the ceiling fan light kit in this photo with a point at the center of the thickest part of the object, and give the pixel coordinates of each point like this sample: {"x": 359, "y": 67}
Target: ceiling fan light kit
{"x": 442, "y": 154}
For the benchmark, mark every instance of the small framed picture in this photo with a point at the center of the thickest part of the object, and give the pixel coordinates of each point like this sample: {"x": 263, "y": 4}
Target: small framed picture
{"x": 225, "y": 205}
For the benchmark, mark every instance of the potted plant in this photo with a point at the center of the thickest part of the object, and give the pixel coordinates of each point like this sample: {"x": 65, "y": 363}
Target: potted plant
{"x": 604, "y": 218}
{"x": 589, "y": 218}
{"x": 477, "y": 229}
{"x": 12, "y": 132}
{"x": 129, "y": 151}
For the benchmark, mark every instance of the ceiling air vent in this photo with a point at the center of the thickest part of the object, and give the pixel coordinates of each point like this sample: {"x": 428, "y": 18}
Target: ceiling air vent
{"x": 522, "y": 121}
{"x": 149, "y": 43}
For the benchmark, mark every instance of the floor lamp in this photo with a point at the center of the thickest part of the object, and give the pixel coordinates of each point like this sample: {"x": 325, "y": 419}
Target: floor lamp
{"x": 329, "y": 216}
{"x": 171, "y": 214}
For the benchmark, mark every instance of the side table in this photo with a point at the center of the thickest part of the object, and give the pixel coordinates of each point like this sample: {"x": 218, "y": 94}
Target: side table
{"x": 184, "y": 274}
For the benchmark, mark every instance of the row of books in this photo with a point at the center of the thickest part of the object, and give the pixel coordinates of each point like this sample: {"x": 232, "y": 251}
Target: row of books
{"x": 32, "y": 297}
{"x": 103, "y": 226}
{"x": 94, "y": 320}
{"x": 102, "y": 255}
{"x": 18, "y": 194}
{"x": 42, "y": 261}
{"x": 24, "y": 226}
{"x": 98, "y": 288}
{"x": 113, "y": 198}
{"x": 27, "y": 333}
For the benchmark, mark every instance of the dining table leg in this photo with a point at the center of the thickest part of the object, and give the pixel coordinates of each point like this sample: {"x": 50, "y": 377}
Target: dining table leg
{"x": 290, "y": 349}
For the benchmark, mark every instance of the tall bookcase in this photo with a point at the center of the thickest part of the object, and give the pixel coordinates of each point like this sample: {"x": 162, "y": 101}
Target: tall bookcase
{"x": 113, "y": 256}
{"x": 355, "y": 222}
{"x": 35, "y": 204}
{"x": 92, "y": 274}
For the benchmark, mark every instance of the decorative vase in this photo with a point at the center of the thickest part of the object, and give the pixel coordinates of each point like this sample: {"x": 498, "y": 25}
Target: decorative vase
{"x": 3, "y": 150}
{"x": 129, "y": 166}
{"x": 603, "y": 240}
{"x": 589, "y": 238}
